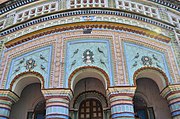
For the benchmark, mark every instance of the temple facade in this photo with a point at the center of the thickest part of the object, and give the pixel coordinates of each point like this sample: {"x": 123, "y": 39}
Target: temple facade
{"x": 90, "y": 59}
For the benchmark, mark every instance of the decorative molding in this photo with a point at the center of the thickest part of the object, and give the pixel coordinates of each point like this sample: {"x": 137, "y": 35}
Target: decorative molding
{"x": 93, "y": 25}
{"x": 171, "y": 89}
{"x": 28, "y": 73}
{"x": 153, "y": 68}
{"x": 124, "y": 36}
{"x": 8, "y": 95}
{"x": 66, "y": 93}
{"x": 121, "y": 90}
{"x": 87, "y": 12}
{"x": 88, "y": 67}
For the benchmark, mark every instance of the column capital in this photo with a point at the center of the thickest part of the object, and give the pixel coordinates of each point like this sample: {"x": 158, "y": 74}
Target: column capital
{"x": 121, "y": 90}
{"x": 57, "y": 103}
{"x": 8, "y": 95}
{"x": 171, "y": 89}
{"x": 60, "y": 92}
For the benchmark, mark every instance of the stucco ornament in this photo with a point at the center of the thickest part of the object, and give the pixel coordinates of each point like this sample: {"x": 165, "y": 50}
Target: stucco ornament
{"x": 146, "y": 60}
{"x": 30, "y": 64}
{"x": 75, "y": 52}
{"x": 88, "y": 56}
{"x": 138, "y": 56}
{"x": 84, "y": 52}
{"x": 37, "y": 60}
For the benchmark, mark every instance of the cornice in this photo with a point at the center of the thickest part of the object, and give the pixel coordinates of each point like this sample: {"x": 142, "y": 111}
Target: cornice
{"x": 129, "y": 90}
{"x": 87, "y": 11}
{"x": 57, "y": 92}
{"x": 85, "y": 25}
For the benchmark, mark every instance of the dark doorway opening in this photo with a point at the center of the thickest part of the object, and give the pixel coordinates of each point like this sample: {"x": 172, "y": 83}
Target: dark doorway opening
{"x": 90, "y": 109}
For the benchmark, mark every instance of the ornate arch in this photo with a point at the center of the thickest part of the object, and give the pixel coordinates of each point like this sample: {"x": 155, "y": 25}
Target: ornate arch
{"x": 140, "y": 70}
{"x": 93, "y": 68}
{"x": 23, "y": 75}
{"x": 90, "y": 94}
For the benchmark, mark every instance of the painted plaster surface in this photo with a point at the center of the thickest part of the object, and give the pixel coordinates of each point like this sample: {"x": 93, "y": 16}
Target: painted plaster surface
{"x": 38, "y": 60}
{"x": 88, "y": 52}
{"x": 138, "y": 56}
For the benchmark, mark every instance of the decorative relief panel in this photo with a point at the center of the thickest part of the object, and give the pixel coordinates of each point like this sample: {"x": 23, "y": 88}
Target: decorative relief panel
{"x": 38, "y": 60}
{"x": 88, "y": 52}
{"x": 139, "y": 56}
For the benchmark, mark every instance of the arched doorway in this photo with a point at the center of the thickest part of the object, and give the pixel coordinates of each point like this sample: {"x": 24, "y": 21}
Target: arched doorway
{"x": 90, "y": 109}
{"x": 39, "y": 111}
{"x": 148, "y": 104}
{"x": 141, "y": 109}
{"x": 89, "y": 100}
{"x": 31, "y": 104}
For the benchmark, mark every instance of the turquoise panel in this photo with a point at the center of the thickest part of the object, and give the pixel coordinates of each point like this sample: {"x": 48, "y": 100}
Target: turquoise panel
{"x": 38, "y": 60}
{"x": 139, "y": 56}
{"x": 88, "y": 52}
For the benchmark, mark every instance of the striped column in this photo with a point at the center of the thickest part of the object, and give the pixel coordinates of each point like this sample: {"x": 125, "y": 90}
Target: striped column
{"x": 57, "y": 103}
{"x": 121, "y": 102}
{"x": 7, "y": 98}
{"x": 57, "y": 108}
{"x": 172, "y": 94}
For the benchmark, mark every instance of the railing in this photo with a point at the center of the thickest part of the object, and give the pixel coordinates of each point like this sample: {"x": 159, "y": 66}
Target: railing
{"x": 36, "y": 11}
{"x": 137, "y": 7}
{"x": 86, "y": 3}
